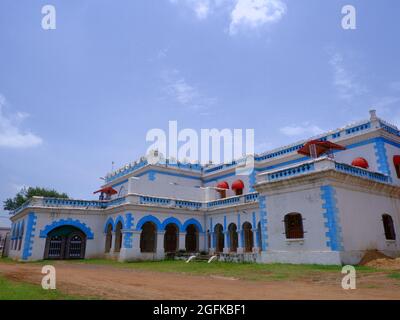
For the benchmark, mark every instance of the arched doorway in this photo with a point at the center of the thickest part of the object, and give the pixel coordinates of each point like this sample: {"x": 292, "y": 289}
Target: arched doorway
{"x": 108, "y": 238}
{"x": 148, "y": 238}
{"x": 247, "y": 237}
{"x": 191, "y": 240}
{"x": 171, "y": 238}
{"x": 219, "y": 238}
{"x": 233, "y": 237}
{"x": 118, "y": 237}
{"x": 66, "y": 242}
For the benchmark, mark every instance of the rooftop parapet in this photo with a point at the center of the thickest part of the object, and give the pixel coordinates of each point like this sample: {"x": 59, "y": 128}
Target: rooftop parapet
{"x": 320, "y": 164}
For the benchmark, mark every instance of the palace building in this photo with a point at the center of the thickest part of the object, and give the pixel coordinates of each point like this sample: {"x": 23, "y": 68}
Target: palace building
{"x": 326, "y": 200}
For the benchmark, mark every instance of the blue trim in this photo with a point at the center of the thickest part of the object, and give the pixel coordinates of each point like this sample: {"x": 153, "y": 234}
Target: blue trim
{"x": 152, "y": 176}
{"x": 238, "y": 220}
{"x": 192, "y": 221}
{"x": 254, "y": 225}
{"x": 67, "y": 222}
{"x": 119, "y": 183}
{"x": 381, "y": 156}
{"x": 119, "y": 219}
{"x": 149, "y": 218}
{"x": 180, "y": 175}
{"x": 252, "y": 181}
{"x": 29, "y": 237}
{"x": 110, "y": 220}
{"x": 331, "y": 215}
{"x": 224, "y": 224}
{"x": 264, "y": 222}
{"x": 128, "y": 239}
{"x": 174, "y": 221}
{"x": 129, "y": 221}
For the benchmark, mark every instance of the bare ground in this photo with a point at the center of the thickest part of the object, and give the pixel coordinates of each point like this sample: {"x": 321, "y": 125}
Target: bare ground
{"x": 110, "y": 282}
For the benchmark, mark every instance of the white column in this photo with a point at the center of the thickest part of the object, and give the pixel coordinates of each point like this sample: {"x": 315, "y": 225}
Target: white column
{"x": 112, "y": 249}
{"x": 211, "y": 250}
{"x": 160, "y": 253}
{"x": 240, "y": 248}
{"x": 256, "y": 245}
{"x": 202, "y": 240}
{"x": 130, "y": 245}
{"x": 182, "y": 241}
{"x": 226, "y": 242}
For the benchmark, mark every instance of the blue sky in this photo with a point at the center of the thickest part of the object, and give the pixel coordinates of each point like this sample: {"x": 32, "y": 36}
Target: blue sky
{"x": 74, "y": 99}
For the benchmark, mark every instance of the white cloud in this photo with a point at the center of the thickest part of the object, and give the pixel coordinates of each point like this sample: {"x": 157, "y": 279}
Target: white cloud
{"x": 345, "y": 82}
{"x": 244, "y": 14}
{"x": 184, "y": 93}
{"x": 200, "y": 7}
{"x": 11, "y": 135}
{"x": 255, "y": 13}
{"x": 301, "y": 130}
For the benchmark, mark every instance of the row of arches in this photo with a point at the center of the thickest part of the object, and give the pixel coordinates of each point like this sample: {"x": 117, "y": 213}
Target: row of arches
{"x": 232, "y": 237}
{"x": 148, "y": 237}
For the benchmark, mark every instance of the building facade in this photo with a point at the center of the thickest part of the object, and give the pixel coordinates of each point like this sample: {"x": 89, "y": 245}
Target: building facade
{"x": 294, "y": 208}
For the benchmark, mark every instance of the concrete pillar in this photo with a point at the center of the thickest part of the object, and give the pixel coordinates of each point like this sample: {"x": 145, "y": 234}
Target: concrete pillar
{"x": 240, "y": 248}
{"x": 160, "y": 253}
{"x": 182, "y": 241}
{"x": 112, "y": 249}
{"x": 226, "y": 242}
{"x": 130, "y": 245}
{"x": 202, "y": 241}
{"x": 212, "y": 244}
{"x": 256, "y": 244}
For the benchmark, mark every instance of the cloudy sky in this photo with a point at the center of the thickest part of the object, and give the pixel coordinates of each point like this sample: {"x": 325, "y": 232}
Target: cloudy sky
{"x": 75, "y": 99}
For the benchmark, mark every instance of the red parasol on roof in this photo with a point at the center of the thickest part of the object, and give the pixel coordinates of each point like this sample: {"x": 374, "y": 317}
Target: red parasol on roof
{"x": 107, "y": 190}
{"x": 316, "y": 148}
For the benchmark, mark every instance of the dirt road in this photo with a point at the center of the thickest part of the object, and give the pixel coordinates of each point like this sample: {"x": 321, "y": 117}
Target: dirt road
{"x": 108, "y": 282}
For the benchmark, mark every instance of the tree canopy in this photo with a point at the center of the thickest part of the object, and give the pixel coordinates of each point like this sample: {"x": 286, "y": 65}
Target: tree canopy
{"x": 27, "y": 193}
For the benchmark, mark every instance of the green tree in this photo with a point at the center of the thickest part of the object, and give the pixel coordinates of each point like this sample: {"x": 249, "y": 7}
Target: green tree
{"x": 25, "y": 194}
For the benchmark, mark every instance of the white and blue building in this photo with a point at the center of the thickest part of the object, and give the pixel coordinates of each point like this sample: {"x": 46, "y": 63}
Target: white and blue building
{"x": 292, "y": 208}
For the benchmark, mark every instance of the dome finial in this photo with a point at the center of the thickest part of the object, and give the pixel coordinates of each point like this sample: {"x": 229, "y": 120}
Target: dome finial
{"x": 372, "y": 113}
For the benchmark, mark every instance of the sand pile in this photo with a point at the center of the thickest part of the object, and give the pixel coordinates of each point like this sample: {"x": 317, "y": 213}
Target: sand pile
{"x": 376, "y": 259}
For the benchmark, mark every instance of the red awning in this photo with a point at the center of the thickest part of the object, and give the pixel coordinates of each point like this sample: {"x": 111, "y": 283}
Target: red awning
{"x": 396, "y": 160}
{"x": 223, "y": 185}
{"x": 107, "y": 190}
{"x": 238, "y": 185}
{"x": 321, "y": 147}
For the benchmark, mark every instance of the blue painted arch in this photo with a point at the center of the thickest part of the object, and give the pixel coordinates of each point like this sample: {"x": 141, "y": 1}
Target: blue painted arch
{"x": 149, "y": 218}
{"x": 119, "y": 219}
{"x": 173, "y": 221}
{"x": 109, "y": 221}
{"x": 67, "y": 222}
{"x": 192, "y": 221}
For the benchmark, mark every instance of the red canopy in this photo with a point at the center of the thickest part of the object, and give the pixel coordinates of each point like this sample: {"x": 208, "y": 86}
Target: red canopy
{"x": 360, "y": 162}
{"x": 107, "y": 190}
{"x": 396, "y": 160}
{"x": 321, "y": 147}
{"x": 238, "y": 185}
{"x": 223, "y": 185}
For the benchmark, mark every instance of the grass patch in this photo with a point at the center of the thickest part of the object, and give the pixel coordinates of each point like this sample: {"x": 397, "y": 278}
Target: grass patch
{"x": 11, "y": 290}
{"x": 394, "y": 275}
{"x": 246, "y": 271}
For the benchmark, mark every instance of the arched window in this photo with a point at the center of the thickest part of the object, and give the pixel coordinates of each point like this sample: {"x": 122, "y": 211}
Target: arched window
{"x": 233, "y": 237}
{"x": 259, "y": 236}
{"x": 208, "y": 239}
{"x": 108, "y": 238}
{"x": 118, "y": 237}
{"x": 219, "y": 238}
{"x": 388, "y": 225}
{"x": 294, "y": 226}
{"x": 65, "y": 242}
{"x": 396, "y": 162}
{"x": 248, "y": 237}
{"x": 21, "y": 236}
{"x": 148, "y": 238}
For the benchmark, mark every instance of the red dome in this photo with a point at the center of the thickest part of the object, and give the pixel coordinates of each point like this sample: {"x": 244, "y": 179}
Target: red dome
{"x": 238, "y": 185}
{"x": 223, "y": 185}
{"x": 360, "y": 162}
